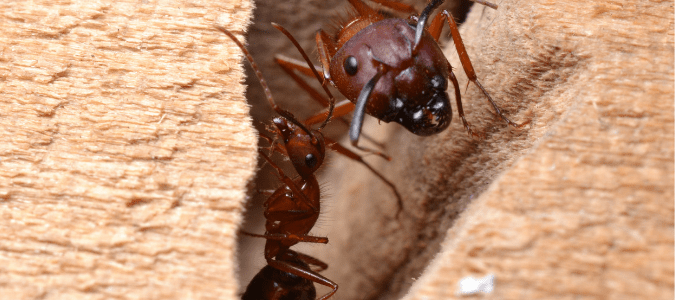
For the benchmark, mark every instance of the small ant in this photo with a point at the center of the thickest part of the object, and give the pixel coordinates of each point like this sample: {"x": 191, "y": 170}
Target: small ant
{"x": 393, "y": 69}
{"x": 292, "y": 210}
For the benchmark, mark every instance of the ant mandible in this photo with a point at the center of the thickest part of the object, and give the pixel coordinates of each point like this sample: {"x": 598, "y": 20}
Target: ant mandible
{"x": 394, "y": 69}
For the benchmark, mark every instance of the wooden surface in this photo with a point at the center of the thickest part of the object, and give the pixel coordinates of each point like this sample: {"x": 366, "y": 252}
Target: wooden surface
{"x": 586, "y": 212}
{"x": 125, "y": 149}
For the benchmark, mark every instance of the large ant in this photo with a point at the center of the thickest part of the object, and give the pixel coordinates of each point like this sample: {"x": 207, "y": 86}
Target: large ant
{"x": 393, "y": 69}
{"x": 292, "y": 210}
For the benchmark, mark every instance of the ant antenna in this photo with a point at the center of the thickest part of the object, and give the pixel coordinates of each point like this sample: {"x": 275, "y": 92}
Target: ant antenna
{"x": 360, "y": 109}
{"x": 331, "y": 105}
{"x": 419, "y": 30}
{"x": 284, "y": 113}
{"x": 486, "y": 3}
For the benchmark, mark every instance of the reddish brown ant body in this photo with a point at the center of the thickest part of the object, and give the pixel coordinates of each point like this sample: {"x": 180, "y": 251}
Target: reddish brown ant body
{"x": 271, "y": 283}
{"x": 292, "y": 210}
{"x": 394, "y": 69}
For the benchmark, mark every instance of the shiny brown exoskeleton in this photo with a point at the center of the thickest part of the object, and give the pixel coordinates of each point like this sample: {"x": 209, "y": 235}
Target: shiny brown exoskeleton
{"x": 292, "y": 210}
{"x": 394, "y": 69}
{"x": 271, "y": 283}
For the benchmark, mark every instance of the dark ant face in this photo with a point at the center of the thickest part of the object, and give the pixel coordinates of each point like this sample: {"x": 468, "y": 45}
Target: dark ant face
{"x": 422, "y": 104}
{"x": 412, "y": 88}
{"x": 426, "y": 119}
{"x": 306, "y": 151}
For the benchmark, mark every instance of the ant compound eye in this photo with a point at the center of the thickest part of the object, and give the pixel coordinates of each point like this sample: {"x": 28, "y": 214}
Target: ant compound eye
{"x": 310, "y": 160}
{"x": 351, "y": 65}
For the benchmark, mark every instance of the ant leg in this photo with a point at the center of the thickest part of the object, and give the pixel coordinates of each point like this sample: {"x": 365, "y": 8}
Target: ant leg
{"x": 289, "y": 237}
{"x": 341, "y": 109}
{"x": 266, "y": 192}
{"x": 346, "y": 152}
{"x": 289, "y": 182}
{"x": 468, "y": 68}
{"x": 366, "y": 11}
{"x": 267, "y": 138}
{"x": 486, "y": 3}
{"x": 307, "y": 274}
{"x": 327, "y": 49}
{"x": 297, "y": 238}
{"x": 310, "y": 260}
{"x": 331, "y": 99}
{"x": 288, "y": 65}
{"x": 460, "y": 110}
{"x": 397, "y": 6}
{"x": 268, "y": 94}
{"x": 274, "y": 145}
{"x": 436, "y": 27}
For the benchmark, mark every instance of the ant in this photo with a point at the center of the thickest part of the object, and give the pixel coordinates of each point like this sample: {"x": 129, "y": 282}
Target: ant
{"x": 292, "y": 210}
{"x": 393, "y": 69}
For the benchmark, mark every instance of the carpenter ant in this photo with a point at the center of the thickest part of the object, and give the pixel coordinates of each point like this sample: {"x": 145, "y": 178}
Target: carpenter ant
{"x": 292, "y": 210}
{"x": 290, "y": 213}
{"x": 393, "y": 69}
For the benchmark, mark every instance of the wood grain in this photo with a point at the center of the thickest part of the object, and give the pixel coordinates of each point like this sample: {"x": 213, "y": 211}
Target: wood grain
{"x": 125, "y": 149}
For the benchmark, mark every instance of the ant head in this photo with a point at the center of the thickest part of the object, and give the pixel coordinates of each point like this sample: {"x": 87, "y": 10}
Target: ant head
{"x": 411, "y": 90}
{"x": 306, "y": 150}
{"x": 421, "y": 103}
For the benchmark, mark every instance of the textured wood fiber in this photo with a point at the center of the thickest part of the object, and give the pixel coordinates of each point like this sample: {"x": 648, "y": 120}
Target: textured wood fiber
{"x": 125, "y": 149}
{"x": 587, "y": 211}
{"x": 578, "y": 205}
